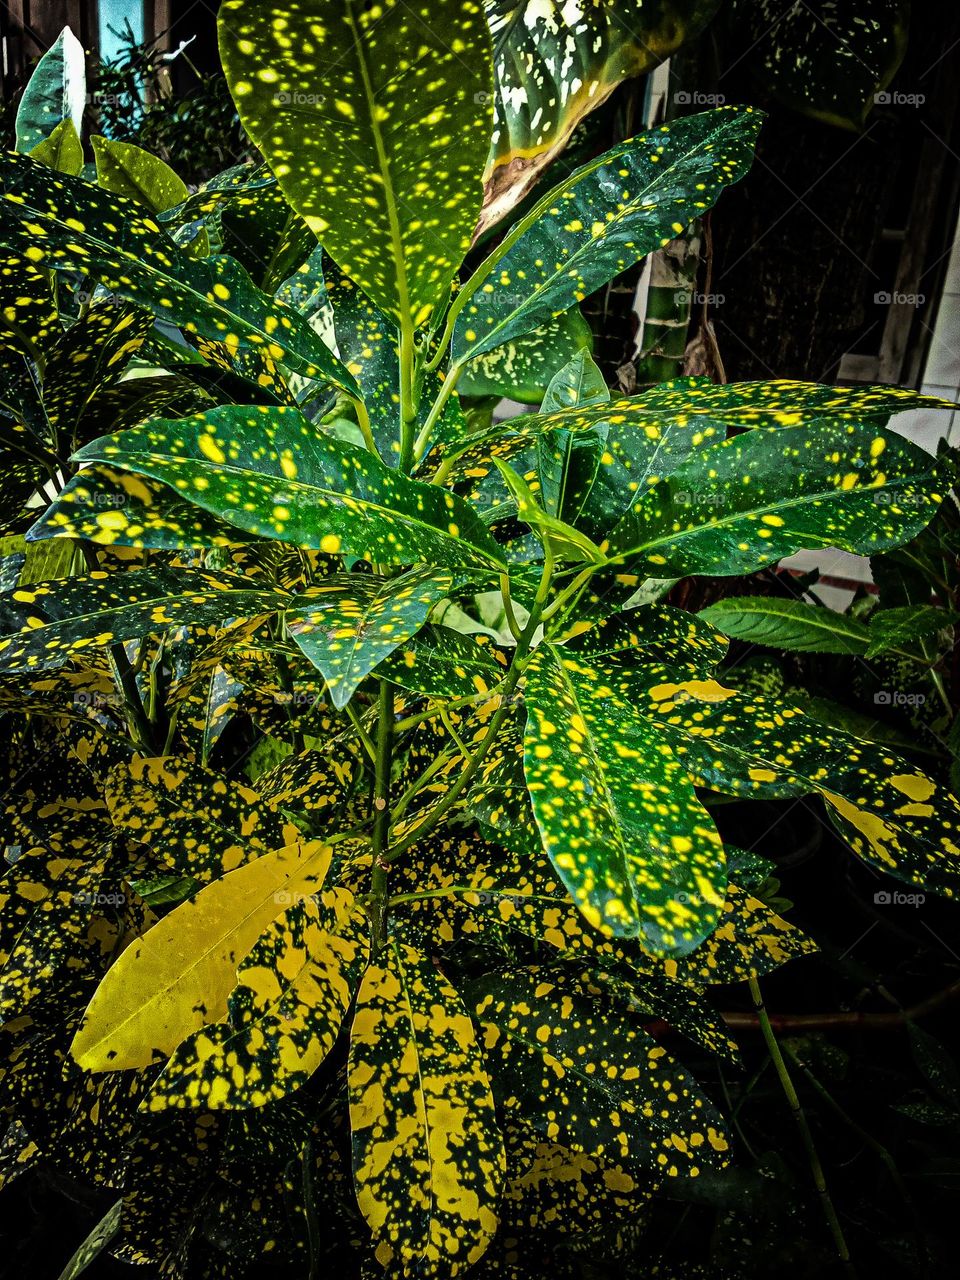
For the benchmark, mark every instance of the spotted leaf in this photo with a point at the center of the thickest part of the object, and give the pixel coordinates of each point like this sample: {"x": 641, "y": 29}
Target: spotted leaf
{"x": 178, "y": 976}
{"x": 56, "y": 91}
{"x": 589, "y": 1077}
{"x": 62, "y": 151}
{"x": 445, "y": 663}
{"x": 603, "y": 218}
{"x": 555, "y": 62}
{"x": 376, "y": 123}
{"x": 579, "y": 382}
{"x": 523, "y": 367}
{"x": 348, "y": 624}
{"x": 428, "y": 1157}
{"x": 28, "y": 315}
{"x": 68, "y": 224}
{"x": 198, "y": 823}
{"x": 892, "y": 815}
{"x": 47, "y": 623}
{"x": 268, "y": 471}
{"x": 745, "y": 502}
{"x": 616, "y": 814}
{"x": 127, "y": 170}
{"x": 653, "y": 632}
{"x": 286, "y": 1011}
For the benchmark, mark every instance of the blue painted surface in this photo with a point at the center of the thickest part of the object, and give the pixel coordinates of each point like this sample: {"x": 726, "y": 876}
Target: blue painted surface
{"x": 116, "y": 14}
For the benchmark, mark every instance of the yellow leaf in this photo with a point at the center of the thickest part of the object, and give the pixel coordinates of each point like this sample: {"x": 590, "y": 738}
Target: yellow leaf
{"x": 177, "y": 978}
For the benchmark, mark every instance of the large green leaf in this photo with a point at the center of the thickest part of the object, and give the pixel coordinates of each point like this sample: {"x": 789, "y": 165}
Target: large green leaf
{"x": 745, "y": 502}
{"x": 600, "y": 220}
{"x": 591, "y": 1078}
{"x": 807, "y": 628}
{"x": 286, "y": 1011}
{"x": 28, "y": 316}
{"x": 349, "y": 623}
{"x": 44, "y": 625}
{"x": 779, "y": 402}
{"x": 268, "y": 471}
{"x": 127, "y": 170}
{"x": 555, "y": 62}
{"x": 428, "y": 1156}
{"x": 616, "y": 812}
{"x": 376, "y": 121}
{"x": 56, "y": 91}
{"x": 788, "y": 624}
{"x": 68, "y": 224}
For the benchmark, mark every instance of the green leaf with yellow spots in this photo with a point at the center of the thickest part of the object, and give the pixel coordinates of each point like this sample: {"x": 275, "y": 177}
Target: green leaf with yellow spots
{"x": 445, "y": 663}
{"x": 891, "y": 814}
{"x": 46, "y": 624}
{"x": 87, "y": 360}
{"x": 56, "y": 91}
{"x": 28, "y": 314}
{"x": 578, "y": 384}
{"x": 68, "y": 224}
{"x": 565, "y": 542}
{"x": 616, "y": 811}
{"x": 585, "y": 1075}
{"x": 198, "y": 823}
{"x": 349, "y": 623}
{"x": 267, "y": 470}
{"x": 285, "y": 1013}
{"x": 522, "y": 368}
{"x": 62, "y": 151}
{"x": 779, "y": 402}
{"x": 600, "y": 220}
{"x": 108, "y": 506}
{"x": 177, "y": 978}
{"x": 428, "y": 1157}
{"x": 369, "y": 345}
{"x": 555, "y": 63}
{"x": 128, "y": 170}
{"x": 653, "y": 632}
{"x": 737, "y": 505}
{"x": 376, "y": 122}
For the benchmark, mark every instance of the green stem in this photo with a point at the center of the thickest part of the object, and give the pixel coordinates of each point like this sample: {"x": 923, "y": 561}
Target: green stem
{"x": 793, "y": 1101}
{"x": 368, "y": 743}
{"x": 408, "y": 409}
{"x": 436, "y": 409}
{"x": 411, "y": 793}
{"x": 363, "y": 420}
{"x": 381, "y": 817}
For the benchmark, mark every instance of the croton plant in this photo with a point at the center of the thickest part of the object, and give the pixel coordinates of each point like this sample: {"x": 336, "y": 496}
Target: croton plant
{"x": 362, "y": 894}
